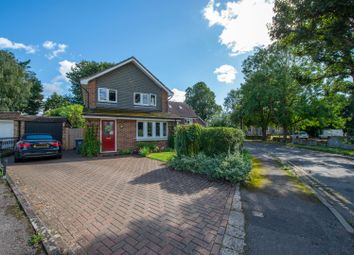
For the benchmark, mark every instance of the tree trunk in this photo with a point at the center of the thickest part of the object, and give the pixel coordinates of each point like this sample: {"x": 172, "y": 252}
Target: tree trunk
{"x": 285, "y": 133}
{"x": 264, "y": 133}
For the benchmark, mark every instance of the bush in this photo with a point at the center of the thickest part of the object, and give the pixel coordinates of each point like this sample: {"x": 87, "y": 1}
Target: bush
{"x": 125, "y": 152}
{"x": 151, "y": 146}
{"x": 194, "y": 139}
{"x": 230, "y": 167}
{"x": 144, "y": 151}
{"x": 187, "y": 140}
{"x": 171, "y": 141}
{"x": 221, "y": 140}
{"x": 91, "y": 145}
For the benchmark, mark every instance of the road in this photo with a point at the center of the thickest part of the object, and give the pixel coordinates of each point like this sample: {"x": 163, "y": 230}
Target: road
{"x": 333, "y": 172}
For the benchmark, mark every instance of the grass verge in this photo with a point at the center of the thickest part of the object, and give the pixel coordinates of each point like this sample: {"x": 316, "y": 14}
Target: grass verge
{"x": 162, "y": 156}
{"x": 324, "y": 149}
{"x": 256, "y": 179}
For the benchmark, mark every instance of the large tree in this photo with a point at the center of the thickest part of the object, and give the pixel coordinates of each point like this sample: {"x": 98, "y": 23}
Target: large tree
{"x": 35, "y": 100}
{"x": 15, "y": 87}
{"x": 202, "y": 99}
{"x": 321, "y": 29}
{"x": 82, "y": 70}
{"x": 55, "y": 101}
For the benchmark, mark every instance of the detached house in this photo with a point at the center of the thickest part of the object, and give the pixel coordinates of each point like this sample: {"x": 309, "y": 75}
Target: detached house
{"x": 128, "y": 104}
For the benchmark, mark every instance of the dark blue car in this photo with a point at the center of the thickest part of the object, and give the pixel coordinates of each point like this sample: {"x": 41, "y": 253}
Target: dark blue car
{"x": 37, "y": 146}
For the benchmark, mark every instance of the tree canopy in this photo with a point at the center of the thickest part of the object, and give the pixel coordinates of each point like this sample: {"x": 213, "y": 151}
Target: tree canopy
{"x": 202, "y": 100}
{"x": 82, "y": 70}
{"x": 55, "y": 101}
{"x": 72, "y": 112}
{"x": 20, "y": 90}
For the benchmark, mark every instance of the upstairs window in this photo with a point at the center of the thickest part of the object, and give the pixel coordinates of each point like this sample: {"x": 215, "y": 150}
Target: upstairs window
{"x": 144, "y": 99}
{"x": 107, "y": 95}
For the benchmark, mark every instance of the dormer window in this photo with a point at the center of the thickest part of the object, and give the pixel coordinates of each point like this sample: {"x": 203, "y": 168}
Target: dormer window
{"x": 144, "y": 99}
{"x": 107, "y": 95}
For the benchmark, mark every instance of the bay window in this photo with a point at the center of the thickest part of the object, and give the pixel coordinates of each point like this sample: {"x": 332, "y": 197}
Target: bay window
{"x": 151, "y": 130}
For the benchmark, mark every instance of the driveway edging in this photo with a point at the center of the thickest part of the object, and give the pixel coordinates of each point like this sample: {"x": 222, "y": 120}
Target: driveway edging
{"x": 234, "y": 237}
{"x": 49, "y": 244}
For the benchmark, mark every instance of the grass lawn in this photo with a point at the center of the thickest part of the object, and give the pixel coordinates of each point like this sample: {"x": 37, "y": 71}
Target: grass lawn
{"x": 324, "y": 149}
{"x": 162, "y": 156}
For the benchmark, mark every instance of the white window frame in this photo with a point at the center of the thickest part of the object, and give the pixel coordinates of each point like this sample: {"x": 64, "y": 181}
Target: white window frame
{"x": 189, "y": 120}
{"x": 141, "y": 99}
{"x": 145, "y": 137}
{"x": 107, "y": 99}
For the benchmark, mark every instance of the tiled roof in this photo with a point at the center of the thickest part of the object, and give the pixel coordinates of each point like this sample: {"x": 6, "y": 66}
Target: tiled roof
{"x": 181, "y": 109}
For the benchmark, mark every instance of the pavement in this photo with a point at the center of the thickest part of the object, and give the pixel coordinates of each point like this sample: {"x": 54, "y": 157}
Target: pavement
{"x": 334, "y": 173}
{"x": 125, "y": 205}
{"x": 15, "y": 229}
{"x": 280, "y": 219}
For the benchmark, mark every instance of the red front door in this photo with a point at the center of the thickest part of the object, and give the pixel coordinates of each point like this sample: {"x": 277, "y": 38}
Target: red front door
{"x": 108, "y": 135}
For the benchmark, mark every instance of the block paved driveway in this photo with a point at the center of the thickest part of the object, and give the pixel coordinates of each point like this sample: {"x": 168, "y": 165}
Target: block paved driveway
{"x": 125, "y": 205}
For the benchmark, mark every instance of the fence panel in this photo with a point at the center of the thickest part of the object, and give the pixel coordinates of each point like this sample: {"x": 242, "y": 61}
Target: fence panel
{"x": 72, "y": 135}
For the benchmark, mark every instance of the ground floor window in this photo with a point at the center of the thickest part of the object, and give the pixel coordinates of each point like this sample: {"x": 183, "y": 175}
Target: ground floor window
{"x": 153, "y": 130}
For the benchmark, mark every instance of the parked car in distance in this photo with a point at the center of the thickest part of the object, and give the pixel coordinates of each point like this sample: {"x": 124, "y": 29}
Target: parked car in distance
{"x": 300, "y": 135}
{"x": 327, "y": 133}
{"x": 37, "y": 146}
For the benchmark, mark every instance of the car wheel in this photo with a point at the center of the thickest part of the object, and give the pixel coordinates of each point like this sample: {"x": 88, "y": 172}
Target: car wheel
{"x": 59, "y": 157}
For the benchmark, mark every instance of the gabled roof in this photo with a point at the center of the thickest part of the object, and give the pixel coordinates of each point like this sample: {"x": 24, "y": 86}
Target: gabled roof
{"x": 86, "y": 80}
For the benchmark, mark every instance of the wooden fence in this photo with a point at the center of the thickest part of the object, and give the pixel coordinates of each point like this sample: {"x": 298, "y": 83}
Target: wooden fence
{"x": 70, "y": 135}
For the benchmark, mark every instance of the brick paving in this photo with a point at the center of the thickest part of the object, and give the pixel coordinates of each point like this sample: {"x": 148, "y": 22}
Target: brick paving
{"x": 125, "y": 205}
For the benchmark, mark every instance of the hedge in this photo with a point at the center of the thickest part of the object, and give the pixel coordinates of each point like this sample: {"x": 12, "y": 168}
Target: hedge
{"x": 231, "y": 167}
{"x": 194, "y": 139}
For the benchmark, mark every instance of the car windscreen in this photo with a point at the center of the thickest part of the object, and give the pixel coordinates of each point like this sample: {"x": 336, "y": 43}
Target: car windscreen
{"x": 37, "y": 137}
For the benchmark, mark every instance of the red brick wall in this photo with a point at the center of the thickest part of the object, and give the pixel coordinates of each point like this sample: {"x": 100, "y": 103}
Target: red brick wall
{"x": 126, "y": 134}
{"x": 91, "y": 88}
{"x": 164, "y": 101}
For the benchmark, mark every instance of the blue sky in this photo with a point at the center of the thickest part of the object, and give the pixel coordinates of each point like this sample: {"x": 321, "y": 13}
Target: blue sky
{"x": 181, "y": 42}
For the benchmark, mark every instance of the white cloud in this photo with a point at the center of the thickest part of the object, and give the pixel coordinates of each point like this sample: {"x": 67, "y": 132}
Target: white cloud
{"x": 226, "y": 74}
{"x": 244, "y": 23}
{"x": 59, "y": 84}
{"x": 65, "y": 67}
{"x": 7, "y": 44}
{"x": 56, "y": 48}
{"x": 49, "y": 45}
{"x": 178, "y": 95}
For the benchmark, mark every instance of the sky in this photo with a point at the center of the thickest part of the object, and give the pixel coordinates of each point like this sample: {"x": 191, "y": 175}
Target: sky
{"x": 181, "y": 42}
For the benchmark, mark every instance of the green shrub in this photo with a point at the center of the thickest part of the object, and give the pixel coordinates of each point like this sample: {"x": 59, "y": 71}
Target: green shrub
{"x": 171, "y": 141}
{"x": 151, "y": 146}
{"x": 221, "y": 140}
{"x": 144, "y": 151}
{"x": 91, "y": 145}
{"x": 230, "y": 167}
{"x": 125, "y": 152}
{"x": 193, "y": 139}
{"x": 187, "y": 140}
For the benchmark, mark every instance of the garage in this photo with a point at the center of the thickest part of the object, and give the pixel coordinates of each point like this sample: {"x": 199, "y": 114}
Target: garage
{"x": 6, "y": 128}
{"x": 53, "y": 128}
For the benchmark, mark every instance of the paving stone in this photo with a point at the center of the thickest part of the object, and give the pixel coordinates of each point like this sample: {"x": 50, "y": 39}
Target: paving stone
{"x": 125, "y": 205}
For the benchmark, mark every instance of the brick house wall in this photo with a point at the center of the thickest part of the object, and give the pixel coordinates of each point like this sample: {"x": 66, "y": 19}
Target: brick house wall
{"x": 164, "y": 101}
{"x": 91, "y": 88}
{"x": 126, "y": 133}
